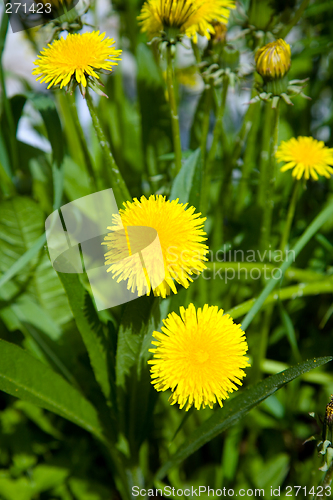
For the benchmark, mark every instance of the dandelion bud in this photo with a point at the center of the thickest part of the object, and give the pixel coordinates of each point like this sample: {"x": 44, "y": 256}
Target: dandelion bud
{"x": 273, "y": 60}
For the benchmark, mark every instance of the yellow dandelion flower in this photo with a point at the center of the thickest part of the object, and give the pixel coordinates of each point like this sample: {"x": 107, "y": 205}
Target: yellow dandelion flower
{"x": 77, "y": 58}
{"x": 306, "y": 156}
{"x": 199, "y": 356}
{"x": 190, "y": 17}
{"x": 181, "y": 235}
{"x": 273, "y": 60}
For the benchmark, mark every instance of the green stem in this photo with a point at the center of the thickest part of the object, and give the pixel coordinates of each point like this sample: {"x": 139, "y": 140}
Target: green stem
{"x": 174, "y": 112}
{"x": 264, "y": 155}
{"x": 295, "y": 19}
{"x": 5, "y": 102}
{"x": 85, "y": 150}
{"x": 118, "y": 185}
{"x": 290, "y": 216}
{"x": 265, "y": 237}
{"x": 250, "y": 156}
{"x": 218, "y": 125}
{"x": 218, "y": 128}
{"x": 205, "y": 121}
{"x": 269, "y": 183}
{"x": 225, "y": 196}
{"x": 242, "y": 135}
{"x": 205, "y": 129}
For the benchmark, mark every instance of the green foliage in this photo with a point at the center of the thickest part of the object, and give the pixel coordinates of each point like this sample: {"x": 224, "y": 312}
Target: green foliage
{"x": 79, "y": 417}
{"x": 25, "y": 377}
{"x": 235, "y": 409}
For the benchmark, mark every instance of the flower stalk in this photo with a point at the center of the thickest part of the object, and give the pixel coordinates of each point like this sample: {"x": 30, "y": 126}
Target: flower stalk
{"x": 205, "y": 124}
{"x": 218, "y": 128}
{"x": 218, "y": 124}
{"x": 117, "y": 182}
{"x": 269, "y": 182}
{"x": 174, "y": 111}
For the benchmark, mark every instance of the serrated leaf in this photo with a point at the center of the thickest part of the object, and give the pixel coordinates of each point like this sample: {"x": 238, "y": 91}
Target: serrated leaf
{"x": 24, "y": 377}
{"x": 235, "y": 409}
{"x": 22, "y": 223}
{"x": 21, "y": 228}
{"x": 20, "y": 263}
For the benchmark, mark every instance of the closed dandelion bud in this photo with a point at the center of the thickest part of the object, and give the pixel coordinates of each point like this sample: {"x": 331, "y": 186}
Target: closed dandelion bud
{"x": 273, "y": 60}
{"x": 273, "y": 63}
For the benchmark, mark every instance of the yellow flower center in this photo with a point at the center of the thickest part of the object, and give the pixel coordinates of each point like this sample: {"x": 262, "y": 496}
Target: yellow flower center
{"x": 308, "y": 154}
{"x": 201, "y": 355}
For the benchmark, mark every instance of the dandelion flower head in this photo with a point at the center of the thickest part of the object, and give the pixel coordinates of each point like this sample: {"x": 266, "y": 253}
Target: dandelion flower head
{"x": 273, "y": 60}
{"x": 190, "y": 17}
{"x": 77, "y": 58}
{"x": 306, "y": 157}
{"x": 181, "y": 236}
{"x": 200, "y": 356}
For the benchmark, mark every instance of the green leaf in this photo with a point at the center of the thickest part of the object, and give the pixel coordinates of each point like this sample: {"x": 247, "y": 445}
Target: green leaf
{"x": 24, "y": 377}
{"x": 46, "y": 106}
{"x": 136, "y": 396}
{"x": 76, "y": 180}
{"x": 22, "y": 223}
{"x": 23, "y": 260}
{"x": 21, "y": 229}
{"x": 187, "y": 183}
{"x": 48, "y": 291}
{"x": 235, "y": 409}
{"x": 20, "y": 263}
{"x": 93, "y": 338}
{"x": 130, "y": 337}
